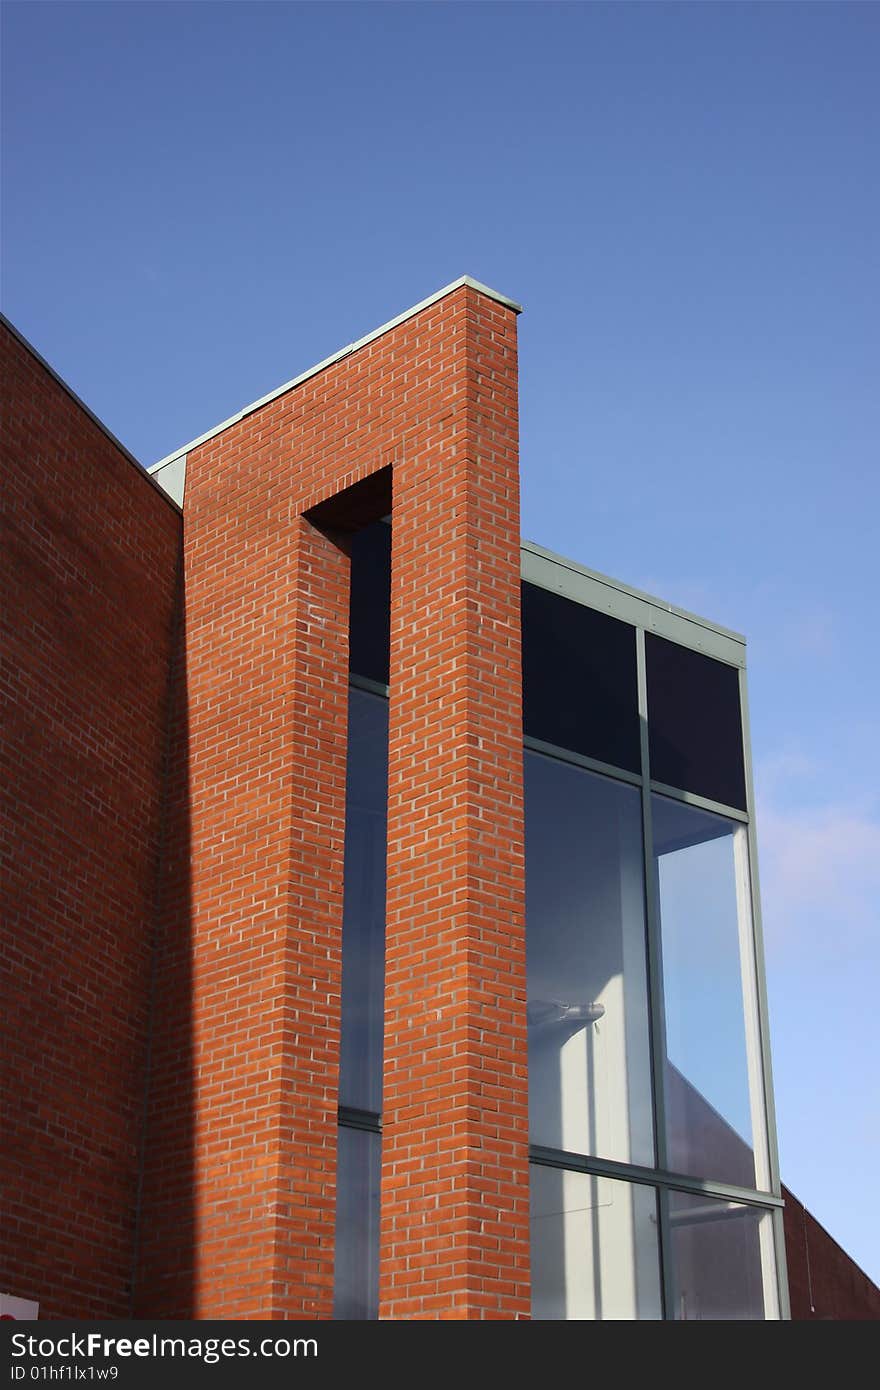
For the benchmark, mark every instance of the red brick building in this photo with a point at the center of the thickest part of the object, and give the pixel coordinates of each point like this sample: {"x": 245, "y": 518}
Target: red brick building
{"x": 268, "y": 916}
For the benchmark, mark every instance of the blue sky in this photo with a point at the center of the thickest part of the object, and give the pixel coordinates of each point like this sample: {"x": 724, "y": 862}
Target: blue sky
{"x": 202, "y": 200}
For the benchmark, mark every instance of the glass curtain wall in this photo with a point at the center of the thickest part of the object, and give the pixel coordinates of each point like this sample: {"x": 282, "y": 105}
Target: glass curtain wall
{"x": 650, "y": 1178}
{"x": 651, "y": 1185}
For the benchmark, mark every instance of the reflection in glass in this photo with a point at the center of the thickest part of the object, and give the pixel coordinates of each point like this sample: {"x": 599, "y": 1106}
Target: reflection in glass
{"x": 716, "y": 1263}
{"x": 356, "y": 1280}
{"x": 701, "y": 863}
{"x": 589, "y": 1061}
{"x": 594, "y": 1247}
{"x": 363, "y": 929}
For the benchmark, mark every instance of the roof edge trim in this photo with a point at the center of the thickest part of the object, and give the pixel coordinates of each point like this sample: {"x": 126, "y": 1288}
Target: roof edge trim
{"x": 594, "y": 577}
{"x": 463, "y": 280}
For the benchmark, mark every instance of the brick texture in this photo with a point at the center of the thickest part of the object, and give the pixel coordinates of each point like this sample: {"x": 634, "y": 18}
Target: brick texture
{"x": 90, "y": 571}
{"x": 164, "y": 1262}
{"x": 455, "y": 1163}
{"x": 266, "y": 670}
{"x": 823, "y": 1282}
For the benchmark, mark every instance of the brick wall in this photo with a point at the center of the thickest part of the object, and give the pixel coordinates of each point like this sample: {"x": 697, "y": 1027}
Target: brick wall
{"x": 266, "y": 668}
{"x": 89, "y": 570}
{"x": 164, "y": 1268}
{"x": 823, "y": 1282}
{"x": 454, "y": 1225}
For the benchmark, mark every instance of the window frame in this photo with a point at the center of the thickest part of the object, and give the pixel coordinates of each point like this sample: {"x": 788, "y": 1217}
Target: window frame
{"x": 649, "y": 615}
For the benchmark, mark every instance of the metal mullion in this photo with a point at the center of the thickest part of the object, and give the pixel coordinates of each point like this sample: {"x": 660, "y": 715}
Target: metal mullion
{"x": 568, "y": 755}
{"x": 720, "y": 1191}
{"x": 761, "y": 1004}
{"x": 781, "y": 1263}
{"x": 652, "y": 1177}
{"x": 656, "y": 1002}
{"x": 595, "y": 1167}
{"x": 711, "y": 1213}
{"x": 703, "y": 803}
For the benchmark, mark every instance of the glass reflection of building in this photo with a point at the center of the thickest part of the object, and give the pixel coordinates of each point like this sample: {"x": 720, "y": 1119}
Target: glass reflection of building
{"x": 654, "y": 1184}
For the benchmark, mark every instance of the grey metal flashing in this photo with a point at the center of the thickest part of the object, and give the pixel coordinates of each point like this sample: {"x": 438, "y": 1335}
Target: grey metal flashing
{"x": 651, "y": 1177}
{"x": 171, "y": 477}
{"x": 582, "y": 585}
{"x": 463, "y": 280}
{"x": 144, "y": 472}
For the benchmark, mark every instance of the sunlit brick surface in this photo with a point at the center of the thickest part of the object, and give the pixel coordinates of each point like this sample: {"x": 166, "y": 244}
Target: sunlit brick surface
{"x": 266, "y": 675}
{"x": 455, "y": 1189}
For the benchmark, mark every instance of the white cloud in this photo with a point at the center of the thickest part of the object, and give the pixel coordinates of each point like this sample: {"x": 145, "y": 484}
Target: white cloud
{"x": 820, "y": 870}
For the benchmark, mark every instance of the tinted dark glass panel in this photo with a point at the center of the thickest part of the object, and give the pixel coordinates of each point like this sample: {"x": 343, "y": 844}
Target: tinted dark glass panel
{"x": 580, "y": 688}
{"x": 370, "y": 632}
{"x": 356, "y": 1282}
{"x": 694, "y": 722}
{"x": 363, "y": 921}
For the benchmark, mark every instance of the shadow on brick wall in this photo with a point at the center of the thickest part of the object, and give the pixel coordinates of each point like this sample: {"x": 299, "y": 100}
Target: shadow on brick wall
{"x": 163, "y": 1285}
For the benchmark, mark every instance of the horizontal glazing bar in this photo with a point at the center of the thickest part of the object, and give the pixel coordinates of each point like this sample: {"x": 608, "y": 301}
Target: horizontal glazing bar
{"x": 702, "y": 802}
{"x": 552, "y": 750}
{"x": 565, "y": 755}
{"x": 371, "y": 687}
{"x": 630, "y": 1172}
{"x": 351, "y": 1118}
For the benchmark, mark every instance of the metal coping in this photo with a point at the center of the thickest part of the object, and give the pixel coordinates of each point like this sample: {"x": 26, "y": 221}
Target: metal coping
{"x": 582, "y": 577}
{"x": 145, "y": 473}
{"x": 337, "y": 357}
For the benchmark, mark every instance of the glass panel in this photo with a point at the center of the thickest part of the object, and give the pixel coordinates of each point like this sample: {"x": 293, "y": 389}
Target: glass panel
{"x": 363, "y": 927}
{"x": 706, "y": 931}
{"x": 594, "y": 1247}
{"x": 694, "y": 722}
{"x": 370, "y": 615}
{"x": 580, "y": 688}
{"x": 589, "y": 1059}
{"x": 716, "y": 1259}
{"x": 356, "y": 1283}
